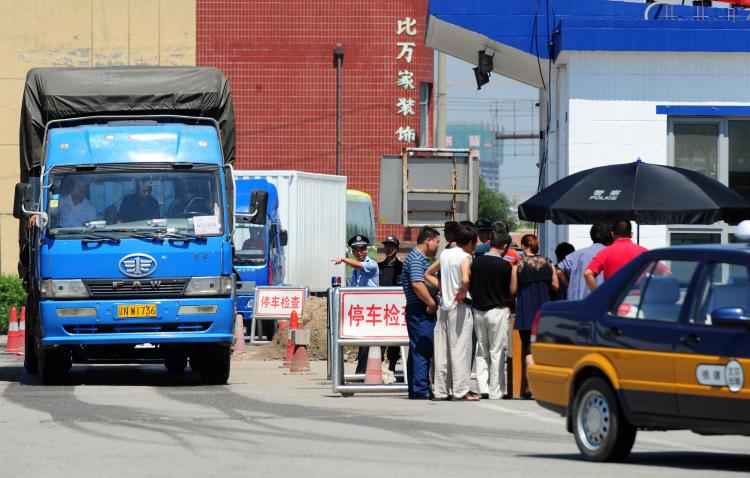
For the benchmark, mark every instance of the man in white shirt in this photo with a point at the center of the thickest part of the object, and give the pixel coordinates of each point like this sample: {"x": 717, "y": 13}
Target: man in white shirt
{"x": 453, "y": 331}
{"x": 75, "y": 209}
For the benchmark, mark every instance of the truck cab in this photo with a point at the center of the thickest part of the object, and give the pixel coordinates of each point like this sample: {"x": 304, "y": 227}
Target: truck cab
{"x": 259, "y": 248}
{"x": 130, "y": 253}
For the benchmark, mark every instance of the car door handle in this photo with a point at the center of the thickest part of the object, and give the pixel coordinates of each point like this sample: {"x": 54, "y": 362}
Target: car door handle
{"x": 612, "y": 332}
{"x": 690, "y": 339}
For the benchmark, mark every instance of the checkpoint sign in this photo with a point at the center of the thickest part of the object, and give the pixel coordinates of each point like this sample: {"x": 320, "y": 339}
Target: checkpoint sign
{"x": 271, "y": 302}
{"x": 373, "y": 315}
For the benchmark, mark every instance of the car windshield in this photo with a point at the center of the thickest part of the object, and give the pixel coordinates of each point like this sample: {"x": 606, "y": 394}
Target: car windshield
{"x": 126, "y": 202}
{"x": 250, "y": 243}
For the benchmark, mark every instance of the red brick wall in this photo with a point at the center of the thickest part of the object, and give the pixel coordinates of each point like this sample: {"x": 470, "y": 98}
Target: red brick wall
{"x": 278, "y": 56}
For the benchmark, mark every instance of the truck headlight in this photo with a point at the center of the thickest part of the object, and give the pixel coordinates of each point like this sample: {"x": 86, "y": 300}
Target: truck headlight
{"x": 210, "y": 286}
{"x": 63, "y": 289}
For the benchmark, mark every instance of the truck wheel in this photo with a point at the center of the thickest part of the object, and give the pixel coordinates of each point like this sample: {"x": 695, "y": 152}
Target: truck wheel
{"x": 215, "y": 365}
{"x": 601, "y": 431}
{"x": 30, "y": 359}
{"x": 53, "y": 365}
{"x": 175, "y": 363}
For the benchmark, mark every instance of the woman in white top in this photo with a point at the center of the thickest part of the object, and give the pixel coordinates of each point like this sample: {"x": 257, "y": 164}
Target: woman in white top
{"x": 454, "y": 326}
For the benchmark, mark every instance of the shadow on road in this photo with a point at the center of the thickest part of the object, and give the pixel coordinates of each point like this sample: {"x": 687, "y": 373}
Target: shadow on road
{"x": 682, "y": 459}
{"x": 108, "y": 375}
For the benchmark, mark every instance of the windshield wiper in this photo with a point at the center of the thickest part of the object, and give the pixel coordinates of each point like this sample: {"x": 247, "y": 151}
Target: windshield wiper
{"x": 141, "y": 234}
{"x": 176, "y": 235}
{"x": 247, "y": 260}
{"x": 95, "y": 237}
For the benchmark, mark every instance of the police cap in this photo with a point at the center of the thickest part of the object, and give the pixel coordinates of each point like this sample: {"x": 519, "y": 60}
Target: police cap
{"x": 359, "y": 241}
{"x": 391, "y": 240}
{"x": 483, "y": 225}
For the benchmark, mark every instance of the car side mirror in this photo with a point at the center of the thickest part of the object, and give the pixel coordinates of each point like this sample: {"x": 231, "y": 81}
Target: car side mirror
{"x": 258, "y": 206}
{"x": 22, "y": 201}
{"x": 283, "y": 238}
{"x": 730, "y": 317}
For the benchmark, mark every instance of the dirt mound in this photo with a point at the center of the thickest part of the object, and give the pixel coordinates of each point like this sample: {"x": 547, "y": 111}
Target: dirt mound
{"x": 315, "y": 319}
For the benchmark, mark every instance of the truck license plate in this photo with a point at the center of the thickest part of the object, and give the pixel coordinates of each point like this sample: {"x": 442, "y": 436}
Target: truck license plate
{"x": 136, "y": 310}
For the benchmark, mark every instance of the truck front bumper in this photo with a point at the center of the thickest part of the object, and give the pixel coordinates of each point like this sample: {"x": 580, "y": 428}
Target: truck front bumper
{"x": 90, "y": 322}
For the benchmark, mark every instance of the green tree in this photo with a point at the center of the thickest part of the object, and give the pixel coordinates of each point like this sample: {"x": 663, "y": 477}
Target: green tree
{"x": 493, "y": 206}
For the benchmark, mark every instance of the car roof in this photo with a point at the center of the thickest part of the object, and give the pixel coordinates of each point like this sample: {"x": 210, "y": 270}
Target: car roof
{"x": 741, "y": 248}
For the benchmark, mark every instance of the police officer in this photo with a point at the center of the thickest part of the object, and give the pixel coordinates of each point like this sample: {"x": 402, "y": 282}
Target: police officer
{"x": 366, "y": 274}
{"x": 390, "y": 276}
{"x": 484, "y": 230}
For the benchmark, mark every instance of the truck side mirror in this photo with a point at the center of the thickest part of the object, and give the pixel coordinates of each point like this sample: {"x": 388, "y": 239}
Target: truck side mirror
{"x": 258, "y": 206}
{"x": 23, "y": 200}
{"x": 283, "y": 238}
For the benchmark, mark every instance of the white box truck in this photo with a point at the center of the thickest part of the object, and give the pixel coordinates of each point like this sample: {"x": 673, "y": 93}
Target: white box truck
{"x": 312, "y": 208}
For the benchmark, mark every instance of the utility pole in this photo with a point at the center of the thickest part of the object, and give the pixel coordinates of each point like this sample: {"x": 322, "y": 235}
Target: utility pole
{"x": 441, "y": 94}
{"x": 338, "y": 62}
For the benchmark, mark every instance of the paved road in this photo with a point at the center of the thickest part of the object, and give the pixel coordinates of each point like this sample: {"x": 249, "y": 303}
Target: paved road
{"x": 140, "y": 421}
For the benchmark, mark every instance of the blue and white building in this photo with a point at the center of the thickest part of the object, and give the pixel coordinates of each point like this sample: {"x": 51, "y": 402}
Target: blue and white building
{"x": 618, "y": 81}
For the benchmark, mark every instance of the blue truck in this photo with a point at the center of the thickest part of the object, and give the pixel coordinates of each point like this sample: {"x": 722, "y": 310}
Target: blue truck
{"x": 125, "y": 207}
{"x": 259, "y": 249}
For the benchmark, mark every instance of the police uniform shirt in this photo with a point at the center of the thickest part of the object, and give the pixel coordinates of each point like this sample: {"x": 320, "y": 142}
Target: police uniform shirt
{"x": 390, "y": 272}
{"x": 366, "y": 277}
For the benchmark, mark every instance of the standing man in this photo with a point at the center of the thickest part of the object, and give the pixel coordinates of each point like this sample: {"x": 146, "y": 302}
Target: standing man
{"x": 365, "y": 274}
{"x": 572, "y": 267}
{"x": 454, "y": 328}
{"x": 390, "y": 276}
{"x": 613, "y": 257}
{"x": 420, "y": 313}
{"x": 484, "y": 230}
{"x": 491, "y": 299}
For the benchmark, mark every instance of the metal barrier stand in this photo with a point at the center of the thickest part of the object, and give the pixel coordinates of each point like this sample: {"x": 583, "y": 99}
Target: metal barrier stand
{"x": 338, "y": 378}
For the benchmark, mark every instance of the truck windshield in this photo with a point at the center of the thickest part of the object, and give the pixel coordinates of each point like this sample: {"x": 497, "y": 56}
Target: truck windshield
{"x": 127, "y": 202}
{"x": 250, "y": 244}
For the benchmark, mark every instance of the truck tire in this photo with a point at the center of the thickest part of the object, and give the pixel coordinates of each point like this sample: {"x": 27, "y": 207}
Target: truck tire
{"x": 53, "y": 365}
{"x": 175, "y": 363}
{"x": 215, "y": 364}
{"x": 601, "y": 430}
{"x": 30, "y": 359}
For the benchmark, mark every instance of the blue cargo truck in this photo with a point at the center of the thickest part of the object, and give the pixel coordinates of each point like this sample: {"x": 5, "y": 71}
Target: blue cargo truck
{"x": 125, "y": 202}
{"x": 259, "y": 249}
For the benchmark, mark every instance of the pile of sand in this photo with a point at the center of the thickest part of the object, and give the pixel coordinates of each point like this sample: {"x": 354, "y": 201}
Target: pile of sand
{"x": 315, "y": 319}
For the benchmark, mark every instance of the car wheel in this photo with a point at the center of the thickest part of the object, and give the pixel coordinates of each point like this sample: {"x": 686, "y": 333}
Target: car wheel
{"x": 175, "y": 363}
{"x": 52, "y": 366}
{"x": 601, "y": 431}
{"x": 215, "y": 364}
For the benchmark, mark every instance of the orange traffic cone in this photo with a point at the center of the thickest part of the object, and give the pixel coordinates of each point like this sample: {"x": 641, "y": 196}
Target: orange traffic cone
{"x": 374, "y": 372}
{"x": 239, "y": 334}
{"x": 293, "y": 324}
{"x": 22, "y": 332}
{"x": 300, "y": 360}
{"x": 13, "y": 344}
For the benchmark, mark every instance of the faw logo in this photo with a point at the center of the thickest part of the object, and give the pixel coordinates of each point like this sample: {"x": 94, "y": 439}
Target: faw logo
{"x": 600, "y": 195}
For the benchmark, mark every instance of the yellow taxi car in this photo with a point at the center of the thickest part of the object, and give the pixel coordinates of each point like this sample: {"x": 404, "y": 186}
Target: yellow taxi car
{"x": 662, "y": 344}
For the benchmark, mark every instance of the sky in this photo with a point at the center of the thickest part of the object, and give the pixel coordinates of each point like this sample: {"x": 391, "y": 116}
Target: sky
{"x": 507, "y": 105}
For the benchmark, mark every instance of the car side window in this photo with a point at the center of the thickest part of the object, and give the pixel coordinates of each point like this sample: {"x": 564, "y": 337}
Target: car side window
{"x": 657, "y": 291}
{"x": 724, "y": 285}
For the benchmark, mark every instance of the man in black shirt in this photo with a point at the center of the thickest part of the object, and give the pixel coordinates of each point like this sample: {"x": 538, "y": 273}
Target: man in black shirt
{"x": 491, "y": 299}
{"x": 140, "y": 205}
{"x": 390, "y": 276}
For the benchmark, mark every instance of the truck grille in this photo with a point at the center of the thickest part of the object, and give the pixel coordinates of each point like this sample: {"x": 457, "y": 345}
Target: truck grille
{"x": 137, "y": 328}
{"x": 135, "y": 288}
